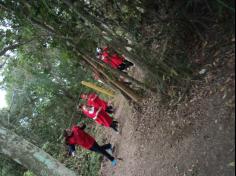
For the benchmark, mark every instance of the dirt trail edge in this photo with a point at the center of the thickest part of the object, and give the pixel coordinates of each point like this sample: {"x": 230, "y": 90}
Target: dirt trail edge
{"x": 194, "y": 138}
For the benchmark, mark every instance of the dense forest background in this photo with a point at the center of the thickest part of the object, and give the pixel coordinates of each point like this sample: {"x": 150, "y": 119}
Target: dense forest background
{"x": 48, "y": 47}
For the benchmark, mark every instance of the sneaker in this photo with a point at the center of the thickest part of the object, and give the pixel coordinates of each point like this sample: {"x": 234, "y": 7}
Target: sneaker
{"x": 109, "y": 151}
{"x": 113, "y": 163}
{"x": 117, "y": 129}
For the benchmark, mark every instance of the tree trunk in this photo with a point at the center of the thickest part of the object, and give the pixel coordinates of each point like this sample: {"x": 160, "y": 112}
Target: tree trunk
{"x": 30, "y": 156}
{"x": 120, "y": 73}
{"x": 13, "y": 46}
{"x": 123, "y": 88}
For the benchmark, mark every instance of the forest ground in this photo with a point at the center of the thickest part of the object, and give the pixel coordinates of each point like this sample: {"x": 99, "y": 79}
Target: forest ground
{"x": 194, "y": 137}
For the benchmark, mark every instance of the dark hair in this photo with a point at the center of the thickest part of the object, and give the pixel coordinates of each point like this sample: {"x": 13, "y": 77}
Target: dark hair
{"x": 80, "y": 106}
{"x": 66, "y": 137}
{"x": 65, "y": 134}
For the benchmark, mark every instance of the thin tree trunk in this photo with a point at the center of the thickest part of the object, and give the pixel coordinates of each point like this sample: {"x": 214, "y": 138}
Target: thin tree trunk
{"x": 123, "y": 88}
{"x": 11, "y": 47}
{"x": 131, "y": 79}
{"x": 30, "y": 156}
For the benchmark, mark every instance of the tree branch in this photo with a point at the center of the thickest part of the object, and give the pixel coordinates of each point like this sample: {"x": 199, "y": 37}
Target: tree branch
{"x": 11, "y": 47}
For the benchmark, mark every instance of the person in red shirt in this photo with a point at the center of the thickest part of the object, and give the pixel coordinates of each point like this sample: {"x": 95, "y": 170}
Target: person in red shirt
{"x": 113, "y": 59}
{"x": 77, "y": 136}
{"x": 99, "y": 115}
{"x": 94, "y": 100}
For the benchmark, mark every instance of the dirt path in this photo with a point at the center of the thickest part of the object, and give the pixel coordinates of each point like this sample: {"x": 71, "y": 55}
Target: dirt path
{"x": 194, "y": 138}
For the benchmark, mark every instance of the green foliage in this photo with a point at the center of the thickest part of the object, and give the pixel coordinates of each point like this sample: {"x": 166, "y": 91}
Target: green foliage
{"x": 28, "y": 173}
{"x": 9, "y": 167}
{"x": 43, "y": 93}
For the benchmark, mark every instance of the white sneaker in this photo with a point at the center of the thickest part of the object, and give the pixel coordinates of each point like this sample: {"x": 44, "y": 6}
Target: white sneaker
{"x": 109, "y": 151}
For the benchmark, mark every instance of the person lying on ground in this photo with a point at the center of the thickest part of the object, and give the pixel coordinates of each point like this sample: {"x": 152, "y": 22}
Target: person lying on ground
{"x": 99, "y": 115}
{"x": 113, "y": 59}
{"x": 94, "y": 100}
{"x": 77, "y": 136}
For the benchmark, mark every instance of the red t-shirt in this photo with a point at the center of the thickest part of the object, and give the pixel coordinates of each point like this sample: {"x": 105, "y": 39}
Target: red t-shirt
{"x": 102, "y": 118}
{"x": 113, "y": 60}
{"x": 79, "y": 137}
{"x": 95, "y": 101}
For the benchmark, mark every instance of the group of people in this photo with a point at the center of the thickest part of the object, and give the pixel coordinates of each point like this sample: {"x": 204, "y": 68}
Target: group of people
{"x": 100, "y": 111}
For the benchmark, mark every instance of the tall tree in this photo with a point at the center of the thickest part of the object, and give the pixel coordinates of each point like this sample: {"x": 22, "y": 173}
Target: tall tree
{"x": 30, "y": 156}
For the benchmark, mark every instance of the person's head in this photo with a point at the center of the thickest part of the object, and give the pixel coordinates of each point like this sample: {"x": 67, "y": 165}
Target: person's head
{"x": 67, "y": 133}
{"x": 98, "y": 53}
{"x": 80, "y": 107}
{"x": 99, "y": 50}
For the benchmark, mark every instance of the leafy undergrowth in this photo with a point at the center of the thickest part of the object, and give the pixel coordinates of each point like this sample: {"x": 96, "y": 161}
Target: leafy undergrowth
{"x": 180, "y": 34}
